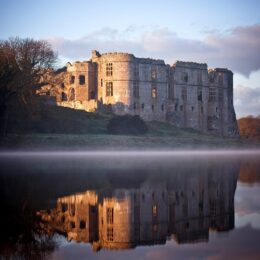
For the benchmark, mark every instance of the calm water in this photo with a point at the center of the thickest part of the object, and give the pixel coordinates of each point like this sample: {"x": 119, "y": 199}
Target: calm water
{"x": 130, "y": 205}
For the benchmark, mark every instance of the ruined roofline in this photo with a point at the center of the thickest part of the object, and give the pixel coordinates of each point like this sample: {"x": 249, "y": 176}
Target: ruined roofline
{"x": 150, "y": 60}
{"x": 71, "y": 64}
{"x": 212, "y": 70}
{"x": 190, "y": 65}
{"x": 131, "y": 56}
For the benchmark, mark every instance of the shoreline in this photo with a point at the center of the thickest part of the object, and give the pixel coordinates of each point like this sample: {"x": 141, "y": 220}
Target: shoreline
{"x": 104, "y": 142}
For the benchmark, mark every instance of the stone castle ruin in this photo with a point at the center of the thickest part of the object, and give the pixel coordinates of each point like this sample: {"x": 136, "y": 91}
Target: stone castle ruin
{"x": 186, "y": 208}
{"x": 186, "y": 94}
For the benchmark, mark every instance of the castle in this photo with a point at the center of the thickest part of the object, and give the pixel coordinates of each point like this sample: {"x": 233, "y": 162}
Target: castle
{"x": 186, "y": 94}
{"x": 186, "y": 208}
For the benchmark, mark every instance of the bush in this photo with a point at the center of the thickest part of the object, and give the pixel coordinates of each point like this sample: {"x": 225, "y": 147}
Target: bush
{"x": 126, "y": 125}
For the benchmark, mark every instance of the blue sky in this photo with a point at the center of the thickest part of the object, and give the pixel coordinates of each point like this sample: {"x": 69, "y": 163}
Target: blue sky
{"x": 221, "y": 33}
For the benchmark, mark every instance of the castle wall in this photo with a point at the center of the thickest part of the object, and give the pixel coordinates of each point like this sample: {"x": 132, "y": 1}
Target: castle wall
{"x": 190, "y": 82}
{"x": 186, "y": 94}
{"x": 152, "y": 100}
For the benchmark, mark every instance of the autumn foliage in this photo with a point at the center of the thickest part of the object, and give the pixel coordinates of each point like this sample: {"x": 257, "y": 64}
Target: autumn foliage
{"x": 249, "y": 127}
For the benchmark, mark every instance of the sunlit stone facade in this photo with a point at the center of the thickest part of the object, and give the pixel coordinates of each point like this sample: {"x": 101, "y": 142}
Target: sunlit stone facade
{"x": 186, "y": 94}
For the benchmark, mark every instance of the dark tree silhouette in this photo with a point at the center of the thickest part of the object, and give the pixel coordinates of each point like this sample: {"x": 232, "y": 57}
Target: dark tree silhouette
{"x": 23, "y": 62}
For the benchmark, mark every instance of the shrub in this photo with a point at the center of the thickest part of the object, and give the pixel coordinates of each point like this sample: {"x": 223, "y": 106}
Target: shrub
{"x": 126, "y": 125}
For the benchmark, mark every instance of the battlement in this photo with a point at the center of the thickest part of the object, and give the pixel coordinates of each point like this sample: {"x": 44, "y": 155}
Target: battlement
{"x": 117, "y": 56}
{"x": 79, "y": 66}
{"x": 225, "y": 70}
{"x": 124, "y": 56}
{"x": 190, "y": 65}
{"x": 150, "y": 61}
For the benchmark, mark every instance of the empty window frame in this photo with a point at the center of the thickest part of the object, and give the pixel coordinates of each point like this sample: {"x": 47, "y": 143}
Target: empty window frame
{"x": 153, "y": 74}
{"x": 154, "y": 92}
{"x": 136, "y": 89}
{"x": 154, "y": 210}
{"x": 72, "y": 224}
{"x": 109, "y": 89}
{"x": 199, "y": 94}
{"x": 82, "y": 224}
{"x": 162, "y": 107}
{"x": 63, "y": 96}
{"x": 184, "y": 93}
{"x": 72, "y": 79}
{"x": 81, "y": 80}
{"x": 212, "y": 94}
{"x": 220, "y": 95}
{"x": 110, "y": 234}
{"x": 110, "y": 215}
{"x": 64, "y": 207}
{"x": 184, "y": 76}
{"x": 109, "y": 69}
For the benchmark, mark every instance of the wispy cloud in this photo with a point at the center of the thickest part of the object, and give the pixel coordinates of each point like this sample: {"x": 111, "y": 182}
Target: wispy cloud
{"x": 237, "y": 49}
{"x": 246, "y": 100}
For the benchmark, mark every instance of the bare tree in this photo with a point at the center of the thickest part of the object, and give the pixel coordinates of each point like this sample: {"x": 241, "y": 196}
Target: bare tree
{"x": 23, "y": 62}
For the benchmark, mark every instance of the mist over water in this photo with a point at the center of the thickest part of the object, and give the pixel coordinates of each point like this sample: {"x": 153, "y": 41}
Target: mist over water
{"x": 131, "y": 153}
{"x": 181, "y": 202}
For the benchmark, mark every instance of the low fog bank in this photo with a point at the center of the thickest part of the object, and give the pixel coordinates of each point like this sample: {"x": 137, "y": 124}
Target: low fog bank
{"x": 132, "y": 153}
{"x": 136, "y": 161}
{"x": 72, "y": 143}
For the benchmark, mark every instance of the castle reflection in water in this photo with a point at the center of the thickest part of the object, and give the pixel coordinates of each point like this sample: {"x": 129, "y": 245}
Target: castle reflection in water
{"x": 186, "y": 207}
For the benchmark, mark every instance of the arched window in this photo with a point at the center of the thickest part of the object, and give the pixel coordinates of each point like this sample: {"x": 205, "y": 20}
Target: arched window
{"x": 72, "y": 79}
{"x": 72, "y": 94}
{"x": 63, "y": 96}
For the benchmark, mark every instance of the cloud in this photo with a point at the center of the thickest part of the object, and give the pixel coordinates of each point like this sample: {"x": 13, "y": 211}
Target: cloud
{"x": 246, "y": 101}
{"x": 237, "y": 49}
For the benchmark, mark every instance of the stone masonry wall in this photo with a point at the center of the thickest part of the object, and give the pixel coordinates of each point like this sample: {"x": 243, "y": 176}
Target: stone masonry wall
{"x": 186, "y": 94}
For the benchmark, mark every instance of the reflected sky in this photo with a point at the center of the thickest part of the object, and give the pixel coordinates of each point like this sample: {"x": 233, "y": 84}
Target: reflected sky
{"x": 155, "y": 206}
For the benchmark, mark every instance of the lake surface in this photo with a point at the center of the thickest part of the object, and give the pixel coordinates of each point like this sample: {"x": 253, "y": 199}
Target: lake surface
{"x": 130, "y": 205}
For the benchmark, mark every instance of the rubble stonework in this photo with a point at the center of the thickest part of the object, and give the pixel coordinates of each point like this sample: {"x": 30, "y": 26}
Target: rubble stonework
{"x": 186, "y": 94}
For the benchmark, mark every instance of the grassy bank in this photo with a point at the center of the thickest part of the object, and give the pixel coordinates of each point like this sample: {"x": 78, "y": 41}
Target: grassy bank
{"x": 178, "y": 139}
{"x": 48, "y": 127}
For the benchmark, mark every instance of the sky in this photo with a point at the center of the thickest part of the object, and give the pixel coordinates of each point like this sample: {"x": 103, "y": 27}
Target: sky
{"x": 219, "y": 33}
